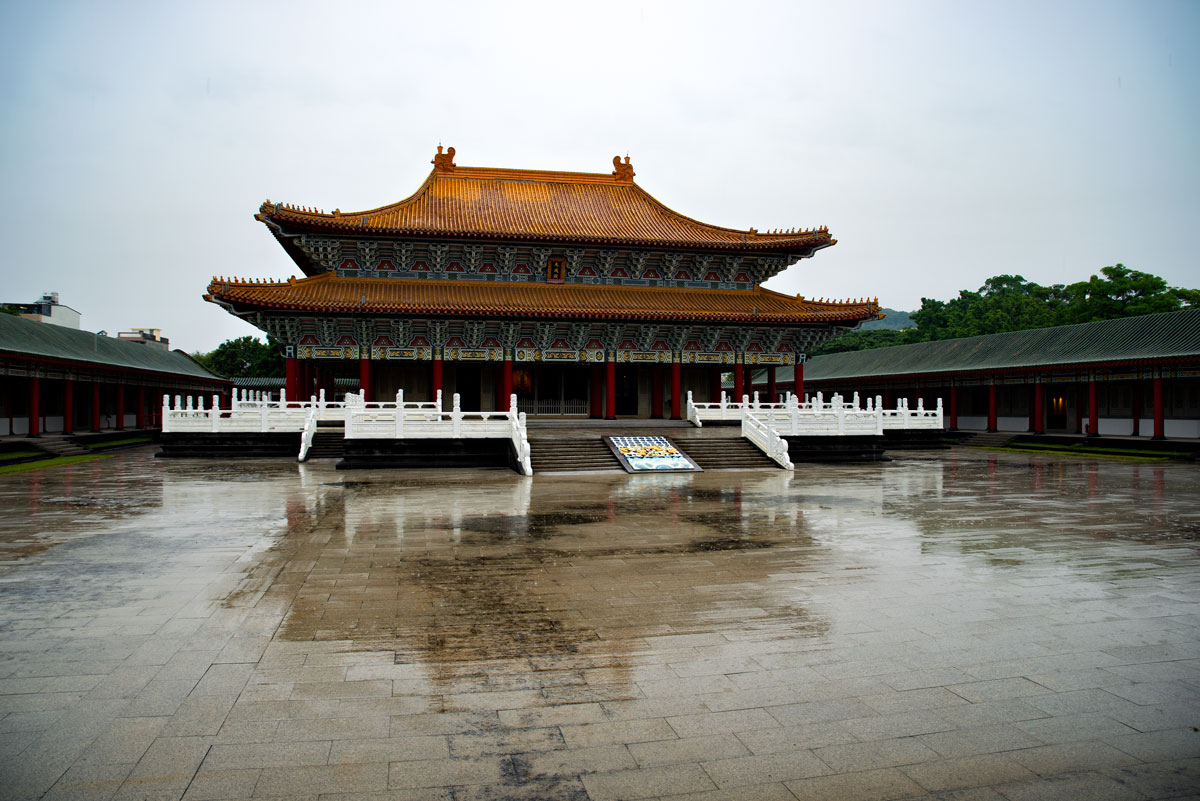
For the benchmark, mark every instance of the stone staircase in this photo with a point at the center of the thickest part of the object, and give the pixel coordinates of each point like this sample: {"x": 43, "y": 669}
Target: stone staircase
{"x": 569, "y": 455}
{"x": 725, "y": 453}
{"x": 329, "y": 441}
{"x": 60, "y": 446}
{"x": 987, "y": 439}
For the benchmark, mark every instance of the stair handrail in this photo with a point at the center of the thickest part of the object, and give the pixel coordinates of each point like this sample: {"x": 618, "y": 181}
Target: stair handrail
{"x": 519, "y": 433}
{"x": 767, "y": 440}
{"x": 306, "y": 436}
{"x": 693, "y": 414}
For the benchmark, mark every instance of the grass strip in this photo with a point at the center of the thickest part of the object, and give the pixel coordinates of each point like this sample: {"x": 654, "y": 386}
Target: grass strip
{"x": 55, "y": 462}
{"x": 1047, "y": 450}
{"x": 8, "y": 457}
{"x": 117, "y": 443}
{"x": 1092, "y": 449}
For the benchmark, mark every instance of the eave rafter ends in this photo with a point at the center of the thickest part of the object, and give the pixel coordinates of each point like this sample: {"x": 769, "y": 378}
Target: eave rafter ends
{"x": 502, "y": 204}
{"x": 329, "y": 293}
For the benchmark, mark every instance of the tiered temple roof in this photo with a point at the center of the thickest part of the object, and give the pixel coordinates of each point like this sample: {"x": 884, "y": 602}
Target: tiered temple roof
{"x": 330, "y": 293}
{"x": 569, "y": 207}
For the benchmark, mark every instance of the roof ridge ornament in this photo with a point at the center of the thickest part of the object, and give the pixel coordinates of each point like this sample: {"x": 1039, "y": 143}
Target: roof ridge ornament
{"x": 624, "y": 172}
{"x": 444, "y": 162}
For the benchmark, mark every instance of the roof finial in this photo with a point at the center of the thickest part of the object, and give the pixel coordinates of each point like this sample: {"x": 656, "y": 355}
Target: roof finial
{"x": 624, "y": 172}
{"x": 443, "y": 162}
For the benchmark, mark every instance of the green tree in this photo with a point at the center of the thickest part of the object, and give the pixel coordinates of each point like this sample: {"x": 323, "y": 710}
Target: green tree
{"x": 1012, "y": 303}
{"x": 244, "y": 357}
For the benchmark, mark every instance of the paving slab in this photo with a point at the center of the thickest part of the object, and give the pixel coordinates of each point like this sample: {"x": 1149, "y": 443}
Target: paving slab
{"x": 962, "y": 626}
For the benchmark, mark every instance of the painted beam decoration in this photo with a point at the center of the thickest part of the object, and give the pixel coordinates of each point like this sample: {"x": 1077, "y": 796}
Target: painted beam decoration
{"x": 653, "y": 454}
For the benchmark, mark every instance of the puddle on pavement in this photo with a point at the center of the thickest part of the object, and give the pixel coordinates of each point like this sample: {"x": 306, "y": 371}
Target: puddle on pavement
{"x": 458, "y": 568}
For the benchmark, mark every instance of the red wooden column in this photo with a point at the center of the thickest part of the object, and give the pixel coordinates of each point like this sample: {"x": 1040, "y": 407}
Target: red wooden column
{"x": 1137, "y": 408}
{"x": 291, "y": 386}
{"x": 596, "y": 385}
{"x": 68, "y": 406}
{"x": 739, "y": 387}
{"x": 1039, "y": 409}
{"x": 656, "y": 392}
{"x": 798, "y": 382}
{"x": 506, "y": 385}
{"x": 610, "y": 386}
{"x": 1159, "y": 426}
{"x": 1093, "y": 410}
{"x": 992, "y": 425}
{"x": 953, "y": 408}
{"x": 772, "y": 389}
{"x": 436, "y": 384}
{"x": 364, "y": 378}
{"x": 141, "y": 407}
{"x": 120, "y": 407}
{"x": 749, "y": 380}
{"x": 675, "y": 387}
{"x": 95, "y": 405}
{"x": 35, "y": 408}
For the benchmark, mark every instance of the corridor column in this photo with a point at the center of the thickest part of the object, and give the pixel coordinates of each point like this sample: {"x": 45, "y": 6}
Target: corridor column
{"x": 1137, "y": 408}
{"x": 506, "y": 385}
{"x": 291, "y": 386}
{"x": 436, "y": 383}
{"x": 772, "y": 390}
{"x": 364, "y": 379}
{"x": 1039, "y": 413}
{"x": 738, "y": 387}
{"x": 610, "y": 387}
{"x": 675, "y": 386}
{"x": 95, "y": 405}
{"x": 953, "y": 408}
{"x": 35, "y": 412}
{"x": 991, "y": 424}
{"x": 597, "y": 390}
{"x": 1093, "y": 410}
{"x": 1159, "y": 426}
{"x": 798, "y": 381}
{"x": 68, "y": 406}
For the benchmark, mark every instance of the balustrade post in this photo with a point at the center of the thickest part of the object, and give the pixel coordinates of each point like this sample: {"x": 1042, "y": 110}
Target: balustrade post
{"x": 456, "y": 416}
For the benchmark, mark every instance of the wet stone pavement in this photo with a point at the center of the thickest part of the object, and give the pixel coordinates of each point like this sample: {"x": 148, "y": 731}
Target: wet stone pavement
{"x": 965, "y": 625}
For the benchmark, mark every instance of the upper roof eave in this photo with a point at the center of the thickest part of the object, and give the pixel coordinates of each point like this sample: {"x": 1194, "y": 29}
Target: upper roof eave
{"x": 505, "y": 205}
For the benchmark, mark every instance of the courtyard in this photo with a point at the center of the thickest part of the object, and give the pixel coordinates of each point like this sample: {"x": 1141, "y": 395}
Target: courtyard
{"x": 964, "y": 624}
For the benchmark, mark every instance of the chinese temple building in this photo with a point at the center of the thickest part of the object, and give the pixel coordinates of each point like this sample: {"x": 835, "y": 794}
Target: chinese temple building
{"x": 578, "y": 292}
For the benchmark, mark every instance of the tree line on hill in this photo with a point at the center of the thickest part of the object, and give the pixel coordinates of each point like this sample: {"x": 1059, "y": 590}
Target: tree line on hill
{"x": 1010, "y": 303}
{"x": 1003, "y": 303}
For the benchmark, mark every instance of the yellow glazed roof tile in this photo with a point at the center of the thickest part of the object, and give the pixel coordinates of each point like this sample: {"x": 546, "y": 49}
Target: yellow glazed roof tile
{"x": 330, "y": 293}
{"x": 522, "y": 204}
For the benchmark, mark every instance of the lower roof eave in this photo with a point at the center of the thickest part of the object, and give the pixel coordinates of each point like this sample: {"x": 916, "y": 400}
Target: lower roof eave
{"x": 1050, "y": 368}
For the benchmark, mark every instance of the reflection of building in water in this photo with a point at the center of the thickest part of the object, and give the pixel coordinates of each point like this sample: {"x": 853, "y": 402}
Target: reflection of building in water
{"x": 451, "y": 577}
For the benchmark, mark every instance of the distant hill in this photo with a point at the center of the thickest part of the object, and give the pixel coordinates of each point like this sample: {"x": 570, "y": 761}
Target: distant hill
{"x": 894, "y": 321}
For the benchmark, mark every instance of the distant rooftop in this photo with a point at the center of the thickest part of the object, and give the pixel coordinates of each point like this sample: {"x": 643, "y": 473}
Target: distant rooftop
{"x": 25, "y": 337}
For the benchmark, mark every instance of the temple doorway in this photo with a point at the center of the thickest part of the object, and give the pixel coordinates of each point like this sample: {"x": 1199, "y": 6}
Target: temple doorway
{"x": 552, "y": 390}
{"x": 627, "y": 391}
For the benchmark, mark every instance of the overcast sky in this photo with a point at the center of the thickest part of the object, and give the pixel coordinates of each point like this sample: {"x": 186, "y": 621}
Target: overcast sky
{"x": 941, "y": 142}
